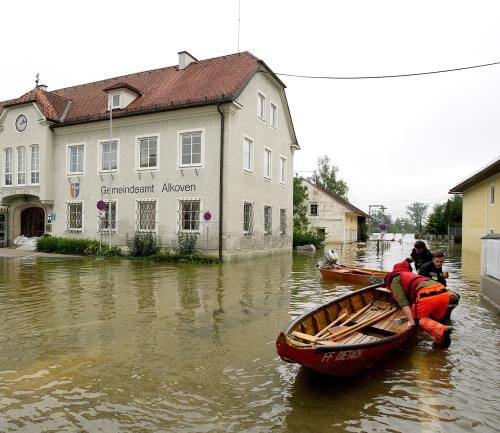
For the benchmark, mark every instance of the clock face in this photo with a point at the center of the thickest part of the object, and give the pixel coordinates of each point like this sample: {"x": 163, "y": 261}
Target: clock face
{"x": 21, "y": 122}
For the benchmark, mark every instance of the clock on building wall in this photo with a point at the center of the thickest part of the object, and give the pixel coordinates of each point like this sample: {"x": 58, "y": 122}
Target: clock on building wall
{"x": 21, "y": 123}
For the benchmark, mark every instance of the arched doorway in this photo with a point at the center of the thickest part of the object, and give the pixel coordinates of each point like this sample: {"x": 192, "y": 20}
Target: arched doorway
{"x": 32, "y": 222}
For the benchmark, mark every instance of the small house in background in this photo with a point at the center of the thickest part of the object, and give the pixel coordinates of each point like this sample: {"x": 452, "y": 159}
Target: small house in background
{"x": 329, "y": 213}
{"x": 481, "y": 224}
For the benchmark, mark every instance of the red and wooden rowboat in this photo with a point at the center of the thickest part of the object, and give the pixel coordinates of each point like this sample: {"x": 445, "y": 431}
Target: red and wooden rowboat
{"x": 353, "y": 275}
{"x": 348, "y": 335}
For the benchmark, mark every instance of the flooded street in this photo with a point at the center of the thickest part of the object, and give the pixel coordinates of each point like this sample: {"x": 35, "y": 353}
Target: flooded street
{"x": 134, "y": 346}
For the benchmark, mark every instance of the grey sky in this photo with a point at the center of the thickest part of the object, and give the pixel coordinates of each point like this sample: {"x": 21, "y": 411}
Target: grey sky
{"x": 394, "y": 141}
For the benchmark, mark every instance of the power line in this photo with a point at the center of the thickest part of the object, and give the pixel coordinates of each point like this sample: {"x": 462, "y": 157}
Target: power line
{"x": 368, "y": 77}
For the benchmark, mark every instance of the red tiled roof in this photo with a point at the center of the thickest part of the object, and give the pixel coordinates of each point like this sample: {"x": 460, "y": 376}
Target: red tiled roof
{"x": 201, "y": 83}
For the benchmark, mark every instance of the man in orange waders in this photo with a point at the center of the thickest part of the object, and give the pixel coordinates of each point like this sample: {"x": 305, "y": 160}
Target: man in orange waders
{"x": 420, "y": 297}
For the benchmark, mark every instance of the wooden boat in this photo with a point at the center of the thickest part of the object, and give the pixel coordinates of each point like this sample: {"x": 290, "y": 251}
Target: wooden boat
{"x": 348, "y": 335}
{"x": 353, "y": 275}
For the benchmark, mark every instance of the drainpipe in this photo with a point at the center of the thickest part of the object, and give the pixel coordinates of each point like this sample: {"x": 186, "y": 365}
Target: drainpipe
{"x": 221, "y": 178}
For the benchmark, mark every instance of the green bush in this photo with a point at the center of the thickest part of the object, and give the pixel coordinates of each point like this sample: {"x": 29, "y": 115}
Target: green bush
{"x": 186, "y": 244}
{"x": 60, "y": 245}
{"x": 95, "y": 249}
{"x": 180, "y": 258}
{"x": 308, "y": 236}
{"x": 143, "y": 244}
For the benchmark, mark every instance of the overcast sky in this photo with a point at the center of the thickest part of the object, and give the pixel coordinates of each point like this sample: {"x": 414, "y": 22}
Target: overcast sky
{"x": 394, "y": 141}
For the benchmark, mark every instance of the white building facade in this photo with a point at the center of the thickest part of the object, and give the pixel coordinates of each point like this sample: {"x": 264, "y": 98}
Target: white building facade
{"x": 330, "y": 214}
{"x": 205, "y": 147}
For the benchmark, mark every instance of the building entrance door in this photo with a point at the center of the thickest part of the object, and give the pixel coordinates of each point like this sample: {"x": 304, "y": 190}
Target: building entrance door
{"x": 32, "y": 222}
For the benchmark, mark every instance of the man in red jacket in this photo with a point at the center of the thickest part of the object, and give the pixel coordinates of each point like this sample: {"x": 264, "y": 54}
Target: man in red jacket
{"x": 419, "y": 297}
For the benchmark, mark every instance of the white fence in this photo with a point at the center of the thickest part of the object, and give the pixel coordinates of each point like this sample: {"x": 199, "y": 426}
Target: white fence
{"x": 491, "y": 257}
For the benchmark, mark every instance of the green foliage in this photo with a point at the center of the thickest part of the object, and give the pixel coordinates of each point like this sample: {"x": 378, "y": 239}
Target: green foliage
{"x": 143, "y": 244}
{"x": 416, "y": 212}
{"x": 308, "y": 236}
{"x": 86, "y": 247}
{"x": 444, "y": 216}
{"x": 401, "y": 225}
{"x": 363, "y": 237}
{"x": 299, "y": 204}
{"x": 186, "y": 244}
{"x": 325, "y": 177}
{"x": 169, "y": 257}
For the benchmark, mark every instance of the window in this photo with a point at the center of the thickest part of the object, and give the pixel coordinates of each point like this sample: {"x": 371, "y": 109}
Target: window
{"x": 74, "y": 216}
{"x": 21, "y": 165}
{"x": 492, "y": 194}
{"x": 248, "y": 218}
{"x": 76, "y": 157}
{"x": 189, "y": 215}
{"x": 8, "y": 167}
{"x": 282, "y": 169}
{"x": 247, "y": 154}
{"x": 35, "y": 164}
{"x": 267, "y": 163}
{"x": 268, "y": 220}
{"x": 109, "y": 156}
{"x": 109, "y": 217}
{"x": 146, "y": 215}
{"x": 115, "y": 101}
{"x": 148, "y": 153}
{"x": 313, "y": 209}
{"x": 274, "y": 116}
{"x": 261, "y": 106}
{"x": 190, "y": 149}
{"x": 282, "y": 221}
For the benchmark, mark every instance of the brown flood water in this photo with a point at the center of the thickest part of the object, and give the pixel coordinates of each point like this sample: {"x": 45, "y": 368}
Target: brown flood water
{"x": 131, "y": 346}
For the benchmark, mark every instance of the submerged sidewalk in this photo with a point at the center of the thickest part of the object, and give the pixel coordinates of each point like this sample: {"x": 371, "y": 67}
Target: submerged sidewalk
{"x": 18, "y": 252}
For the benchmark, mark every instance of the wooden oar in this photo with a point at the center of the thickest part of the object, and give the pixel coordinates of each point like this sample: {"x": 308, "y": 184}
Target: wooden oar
{"x": 326, "y": 328}
{"x": 357, "y": 314}
{"x": 360, "y": 325}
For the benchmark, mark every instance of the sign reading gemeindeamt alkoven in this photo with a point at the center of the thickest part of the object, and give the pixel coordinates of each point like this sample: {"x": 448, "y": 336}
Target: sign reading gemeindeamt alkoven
{"x": 143, "y": 189}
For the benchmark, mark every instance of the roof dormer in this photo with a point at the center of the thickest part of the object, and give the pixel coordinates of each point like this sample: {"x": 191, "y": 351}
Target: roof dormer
{"x": 121, "y": 95}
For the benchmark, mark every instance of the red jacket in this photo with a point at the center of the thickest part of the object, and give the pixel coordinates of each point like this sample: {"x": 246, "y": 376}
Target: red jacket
{"x": 409, "y": 281}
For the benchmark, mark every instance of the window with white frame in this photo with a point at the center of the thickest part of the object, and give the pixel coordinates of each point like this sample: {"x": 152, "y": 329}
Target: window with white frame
{"x": 268, "y": 220}
{"x": 247, "y": 218}
{"x": 267, "y": 163}
{"x": 108, "y": 218}
{"x": 148, "y": 153}
{"x": 146, "y": 215}
{"x": 282, "y": 221}
{"x": 35, "y": 164}
{"x": 492, "y": 194}
{"x": 189, "y": 215}
{"x": 191, "y": 149}
{"x": 76, "y": 154}
{"x": 8, "y": 167}
{"x": 247, "y": 154}
{"x": 109, "y": 156}
{"x": 74, "y": 216}
{"x": 274, "y": 116}
{"x": 115, "y": 101}
{"x": 261, "y": 106}
{"x": 282, "y": 169}
{"x": 313, "y": 209}
{"x": 21, "y": 166}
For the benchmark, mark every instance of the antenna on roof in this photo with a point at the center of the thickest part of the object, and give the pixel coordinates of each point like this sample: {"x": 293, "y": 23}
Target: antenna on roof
{"x": 239, "y": 9}
{"x": 37, "y": 79}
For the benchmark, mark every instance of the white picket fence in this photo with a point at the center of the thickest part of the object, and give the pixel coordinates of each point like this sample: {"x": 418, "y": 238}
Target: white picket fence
{"x": 491, "y": 257}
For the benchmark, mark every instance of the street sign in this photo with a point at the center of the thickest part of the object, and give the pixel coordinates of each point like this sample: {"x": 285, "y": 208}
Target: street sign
{"x": 101, "y": 205}
{"x": 207, "y": 216}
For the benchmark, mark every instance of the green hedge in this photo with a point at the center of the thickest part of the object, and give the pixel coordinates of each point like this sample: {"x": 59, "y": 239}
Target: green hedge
{"x": 182, "y": 258}
{"x": 83, "y": 247}
{"x": 306, "y": 237}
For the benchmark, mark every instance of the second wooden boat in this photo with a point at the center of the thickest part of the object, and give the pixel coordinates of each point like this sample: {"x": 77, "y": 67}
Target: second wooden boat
{"x": 353, "y": 275}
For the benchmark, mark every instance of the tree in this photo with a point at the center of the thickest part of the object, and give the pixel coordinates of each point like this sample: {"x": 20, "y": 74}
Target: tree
{"x": 444, "y": 216}
{"x": 325, "y": 177}
{"x": 300, "y": 220}
{"x": 416, "y": 212}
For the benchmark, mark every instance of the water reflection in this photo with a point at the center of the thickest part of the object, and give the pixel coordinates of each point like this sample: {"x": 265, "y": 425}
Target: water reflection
{"x": 122, "y": 346}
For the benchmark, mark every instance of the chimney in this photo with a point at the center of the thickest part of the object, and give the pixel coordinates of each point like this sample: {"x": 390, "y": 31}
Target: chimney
{"x": 185, "y": 59}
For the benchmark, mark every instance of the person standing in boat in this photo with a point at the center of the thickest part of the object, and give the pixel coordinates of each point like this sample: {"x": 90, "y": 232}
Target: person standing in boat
{"x": 420, "y": 297}
{"x": 419, "y": 255}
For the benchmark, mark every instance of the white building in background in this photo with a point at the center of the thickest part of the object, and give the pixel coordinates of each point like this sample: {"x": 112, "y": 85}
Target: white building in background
{"x": 204, "y": 147}
{"x": 330, "y": 214}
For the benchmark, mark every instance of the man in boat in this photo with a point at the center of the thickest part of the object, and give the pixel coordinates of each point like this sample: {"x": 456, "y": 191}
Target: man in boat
{"x": 420, "y": 297}
{"x": 419, "y": 254}
{"x": 434, "y": 271}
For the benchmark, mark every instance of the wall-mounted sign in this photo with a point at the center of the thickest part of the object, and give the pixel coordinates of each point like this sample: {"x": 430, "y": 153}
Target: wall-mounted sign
{"x": 207, "y": 216}
{"x": 51, "y": 217}
{"x": 101, "y": 205}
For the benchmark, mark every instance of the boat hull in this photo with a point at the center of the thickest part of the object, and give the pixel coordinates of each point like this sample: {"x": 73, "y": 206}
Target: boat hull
{"x": 354, "y": 277}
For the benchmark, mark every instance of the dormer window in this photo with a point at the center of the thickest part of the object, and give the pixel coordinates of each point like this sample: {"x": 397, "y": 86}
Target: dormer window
{"x": 115, "y": 101}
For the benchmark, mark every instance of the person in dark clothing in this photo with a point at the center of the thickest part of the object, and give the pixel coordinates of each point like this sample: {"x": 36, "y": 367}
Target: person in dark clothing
{"x": 419, "y": 254}
{"x": 434, "y": 268}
